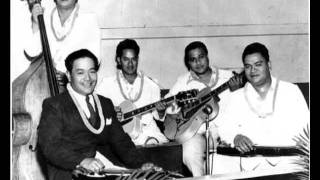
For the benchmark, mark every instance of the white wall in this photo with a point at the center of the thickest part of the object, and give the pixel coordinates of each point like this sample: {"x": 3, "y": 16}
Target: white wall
{"x": 163, "y": 28}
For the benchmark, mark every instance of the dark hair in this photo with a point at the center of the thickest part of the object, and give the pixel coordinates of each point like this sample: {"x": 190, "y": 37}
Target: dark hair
{"x": 191, "y": 46}
{"x": 80, "y": 54}
{"x": 126, "y": 44}
{"x": 256, "y": 48}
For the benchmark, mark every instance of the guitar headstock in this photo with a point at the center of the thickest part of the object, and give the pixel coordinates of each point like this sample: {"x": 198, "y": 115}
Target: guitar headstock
{"x": 237, "y": 81}
{"x": 188, "y": 103}
{"x": 187, "y": 98}
{"x": 185, "y": 95}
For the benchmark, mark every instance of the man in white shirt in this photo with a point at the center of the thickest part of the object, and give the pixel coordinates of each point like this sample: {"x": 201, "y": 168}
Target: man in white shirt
{"x": 266, "y": 112}
{"x": 68, "y": 29}
{"x": 131, "y": 89}
{"x": 201, "y": 75}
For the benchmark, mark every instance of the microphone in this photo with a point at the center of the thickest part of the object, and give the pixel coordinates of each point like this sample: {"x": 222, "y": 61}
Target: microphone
{"x": 207, "y": 109}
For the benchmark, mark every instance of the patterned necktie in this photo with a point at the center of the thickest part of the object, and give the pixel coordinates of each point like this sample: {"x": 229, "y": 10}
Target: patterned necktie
{"x": 93, "y": 114}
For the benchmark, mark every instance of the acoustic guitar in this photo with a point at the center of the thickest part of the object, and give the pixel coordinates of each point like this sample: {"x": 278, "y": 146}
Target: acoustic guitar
{"x": 184, "y": 125}
{"x": 131, "y": 115}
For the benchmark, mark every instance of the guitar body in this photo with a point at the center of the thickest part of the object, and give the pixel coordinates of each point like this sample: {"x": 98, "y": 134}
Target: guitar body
{"x": 184, "y": 125}
{"x": 182, "y": 129}
{"x": 132, "y": 126}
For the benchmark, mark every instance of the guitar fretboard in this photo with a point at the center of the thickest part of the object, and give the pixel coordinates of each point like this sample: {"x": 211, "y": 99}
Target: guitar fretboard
{"x": 146, "y": 108}
{"x": 215, "y": 92}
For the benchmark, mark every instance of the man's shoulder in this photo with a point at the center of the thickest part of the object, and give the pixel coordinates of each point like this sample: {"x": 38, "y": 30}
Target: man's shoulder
{"x": 286, "y": 85}
{"x": 104, "y": 100}
{"x": 151, "y": 82}
{"x": 180, "y": 83}
{"x": 58, "y": 99}
{"x": 183, "y": 77}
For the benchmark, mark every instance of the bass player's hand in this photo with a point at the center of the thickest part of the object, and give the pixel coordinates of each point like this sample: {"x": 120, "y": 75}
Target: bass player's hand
{"x": 36, "y": 10}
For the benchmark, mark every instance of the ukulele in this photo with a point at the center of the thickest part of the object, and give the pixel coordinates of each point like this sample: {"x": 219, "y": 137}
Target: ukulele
{"x": 185, "y": 124}
{"x": 131, "y": 115}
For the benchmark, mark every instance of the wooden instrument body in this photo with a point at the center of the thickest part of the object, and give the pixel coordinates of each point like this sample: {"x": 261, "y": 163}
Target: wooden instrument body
{"x": 134, "y": 125}
{"x": 28, "y": 92}
{"x": 186, "y": 123}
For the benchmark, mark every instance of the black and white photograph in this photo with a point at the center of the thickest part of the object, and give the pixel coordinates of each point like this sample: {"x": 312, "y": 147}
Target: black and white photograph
{"x": 159, "y": 89}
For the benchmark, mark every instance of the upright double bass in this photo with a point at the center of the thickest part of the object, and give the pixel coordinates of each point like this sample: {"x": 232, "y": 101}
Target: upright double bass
{"x": 28, "y": 92}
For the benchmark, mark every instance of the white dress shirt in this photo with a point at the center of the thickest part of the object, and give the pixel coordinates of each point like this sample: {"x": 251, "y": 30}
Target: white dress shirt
{"x": 272, "y": 121}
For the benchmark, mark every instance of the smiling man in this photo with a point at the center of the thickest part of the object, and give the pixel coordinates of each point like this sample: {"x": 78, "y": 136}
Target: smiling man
{"x": 265, "y": 112}
{"x": 78, "y": 127}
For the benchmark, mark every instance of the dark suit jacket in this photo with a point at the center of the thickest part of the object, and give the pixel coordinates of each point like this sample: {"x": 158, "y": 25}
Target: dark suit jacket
{"x": 65, "y": 141}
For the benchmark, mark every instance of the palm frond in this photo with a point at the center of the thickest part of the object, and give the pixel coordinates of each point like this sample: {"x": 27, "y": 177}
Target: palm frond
{"x": 303, "y": 143}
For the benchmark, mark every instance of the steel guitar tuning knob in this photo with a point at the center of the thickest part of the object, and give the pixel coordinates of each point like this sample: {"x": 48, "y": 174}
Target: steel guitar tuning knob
{"x": 207, "y": 109}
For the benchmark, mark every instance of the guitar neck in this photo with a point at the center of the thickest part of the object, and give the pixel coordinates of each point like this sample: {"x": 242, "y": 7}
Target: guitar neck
{"x": 146, "y": 108}
{"x": 215, "y": 92}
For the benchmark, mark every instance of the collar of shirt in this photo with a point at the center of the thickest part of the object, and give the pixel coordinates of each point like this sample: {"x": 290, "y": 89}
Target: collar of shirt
{"x": 62, "y": 29}
{"x": 81, "y": 99}
{"x": 124, "y": 80}
{"x": 213, "y": 80}
{"x": 261, "y": 105}
{"x": 131, "y": 90}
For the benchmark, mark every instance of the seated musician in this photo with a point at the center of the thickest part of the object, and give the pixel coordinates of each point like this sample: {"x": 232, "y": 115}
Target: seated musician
{"x": 265, "y": 112}
{"x": 131, "y": 89}
{"x": 79, "y": 129}
{"x": 201, "y": 75}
